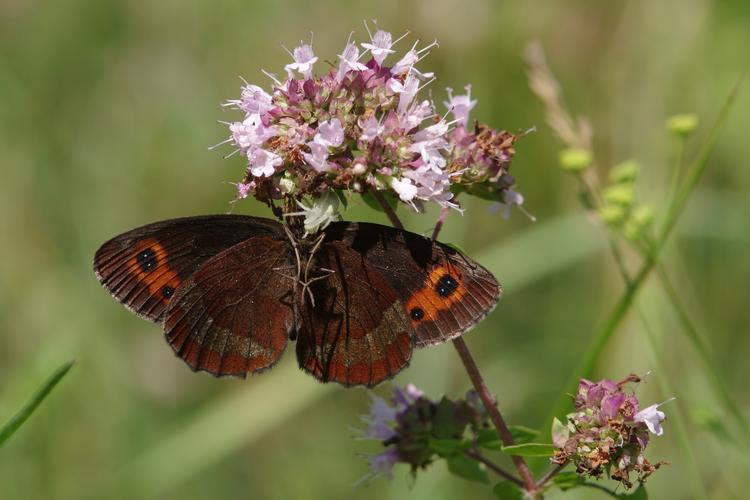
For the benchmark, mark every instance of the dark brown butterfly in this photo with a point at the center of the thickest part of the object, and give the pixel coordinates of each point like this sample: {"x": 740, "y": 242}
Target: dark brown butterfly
{"x": 231, "y": 290}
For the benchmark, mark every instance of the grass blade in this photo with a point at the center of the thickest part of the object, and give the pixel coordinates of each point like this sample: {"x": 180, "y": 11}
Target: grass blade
{"x": 24, "y": 413}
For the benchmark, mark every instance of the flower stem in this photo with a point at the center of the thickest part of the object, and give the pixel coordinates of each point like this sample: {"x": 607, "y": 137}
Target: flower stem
{"x": 552, "y": 473}
{"x": 491, "y": 405}
{"x": 473, "y": 371}
{"x": 387, "y": 209}
{"x": 494, "y": 467}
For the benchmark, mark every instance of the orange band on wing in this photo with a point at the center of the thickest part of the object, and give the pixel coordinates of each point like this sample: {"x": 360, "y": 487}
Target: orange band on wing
{"x": 149, "y": 265}
{"x": 443, "y": 287}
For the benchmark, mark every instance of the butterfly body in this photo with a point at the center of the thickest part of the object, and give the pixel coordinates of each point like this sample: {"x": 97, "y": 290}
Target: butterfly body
{"x": 231, "y": 292}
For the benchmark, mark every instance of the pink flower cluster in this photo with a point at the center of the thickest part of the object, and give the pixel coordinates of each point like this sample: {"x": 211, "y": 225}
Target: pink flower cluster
{"x": 362, "y": 126}
{"x": 607, "y": 432}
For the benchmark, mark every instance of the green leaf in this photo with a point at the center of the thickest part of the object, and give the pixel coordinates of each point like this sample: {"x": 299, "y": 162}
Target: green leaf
{"x": 342, "y": 197}
{"x": 465, "y": 467}
{"x": 522, "y": 434}
{"x": 568, "y": 480}
{"x": 446, "y": 423}
{"x": 455, "y": 247}
{"x": 19, "y": 418}
{"x": 371, "y": 202}
{"x": 446, "y": 447}
{"x": 638, "y": 494}
{"x": 507, "y": 491}
{"x": 560, "y": 433}
{"x": 489, "y": 439}
{"x": 530, "y": 450}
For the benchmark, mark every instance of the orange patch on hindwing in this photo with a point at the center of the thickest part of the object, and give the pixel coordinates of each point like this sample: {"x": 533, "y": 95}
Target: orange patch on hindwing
{"x": 443, "y": 287}
{"x": 149, "y": 265}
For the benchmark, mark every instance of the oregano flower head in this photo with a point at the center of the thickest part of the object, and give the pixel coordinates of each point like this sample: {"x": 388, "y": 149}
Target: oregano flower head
{"x": 365, "y": 125}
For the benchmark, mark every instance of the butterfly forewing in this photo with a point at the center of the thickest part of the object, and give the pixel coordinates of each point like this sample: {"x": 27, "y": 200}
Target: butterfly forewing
{"x": 143, "y": 267}
{"x": 234, "y": 314}
{"x": 358, "y": 332}
{"x": 443, "y": 292}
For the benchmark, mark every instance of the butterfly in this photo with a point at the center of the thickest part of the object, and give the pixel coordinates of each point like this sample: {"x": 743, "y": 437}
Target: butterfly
{"x": 231, "y": 291}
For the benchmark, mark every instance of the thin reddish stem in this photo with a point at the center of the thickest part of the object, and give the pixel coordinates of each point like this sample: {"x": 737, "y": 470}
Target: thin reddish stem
{"x": 494, "y": 467}
{"x": 491, "y": 405}
{"x": 473, "y": 371}
{"x": 388, "y": 209}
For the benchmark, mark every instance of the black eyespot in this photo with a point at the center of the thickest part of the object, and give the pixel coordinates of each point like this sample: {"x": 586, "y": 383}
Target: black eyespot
{"x": 146, "y": 260}
{"x": 416, "y": 314}
{"x": 167, "y": 291}
{"x": 446, "y": 285}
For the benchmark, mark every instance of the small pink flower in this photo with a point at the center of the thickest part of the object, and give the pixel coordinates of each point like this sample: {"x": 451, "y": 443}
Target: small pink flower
{"x": 304, "y": 58}
{"x": 330, "y": 133}
{"x": 407, "y": 90}
{"x": 255, "y": 100}
{"x": 243, "y": 189}
{"x": 380, "y": 46}
{"x": 349, "y": 61}
{"x": 652, "y": 417}
{"x": 430, "y": 152}
{"x": 460, "y": 105}
{"x": 513, "y": 198}
{"x": 317, "y": 158}
{"x": 371, "y": 129}
{"x": 381, "y": 420}
{"x": 416, "y": 115}
{"x": 383, "y": 462}
{"x": 405, "y": 64}
{"x": 406, "y": 396}
{"x": 250, "y": 133}
{"x": 433, "y": 132}
{"x": 263, "y": 163}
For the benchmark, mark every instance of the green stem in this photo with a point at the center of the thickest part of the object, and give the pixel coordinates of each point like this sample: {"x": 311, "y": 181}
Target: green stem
{"x": 679, "y": 420}
{"x": 674, "y": 182}
{"x": 702, "y": 350}
{"x": 674, "y": 211}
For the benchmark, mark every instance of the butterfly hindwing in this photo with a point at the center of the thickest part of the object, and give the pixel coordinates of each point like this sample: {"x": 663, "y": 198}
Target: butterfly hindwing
{"x": 143, "y": 267}
{"x": 357, "y": 333}
{"x": 443, "y": 292}
{"x": 233, "y": 315}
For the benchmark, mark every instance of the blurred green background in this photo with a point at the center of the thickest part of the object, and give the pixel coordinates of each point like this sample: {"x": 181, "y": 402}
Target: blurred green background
{"x": 106, "y": 112}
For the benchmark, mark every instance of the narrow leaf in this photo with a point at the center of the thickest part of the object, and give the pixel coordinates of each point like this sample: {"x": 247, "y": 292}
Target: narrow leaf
{"x": 19, "y": 418}
{"x": 448, "y": 446}
{"x": 465, "y": 467}
{"x": 507, "y": 491}
{"x": 568, "y": 480}
{"x": 638, "y": 494}
{"x": 522, "y": 434}
{"x": 530, "y": 450}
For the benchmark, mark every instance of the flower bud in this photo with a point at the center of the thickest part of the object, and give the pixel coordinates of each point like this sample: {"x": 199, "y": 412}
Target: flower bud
{"x": 682, "y": 124}
{"x": 626, "y": 171}
{"x": 619, "y": 194}
{"x": 613, "y": 215}
{"x": 640, "y": 219}
{"x": 575, "y": 159}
